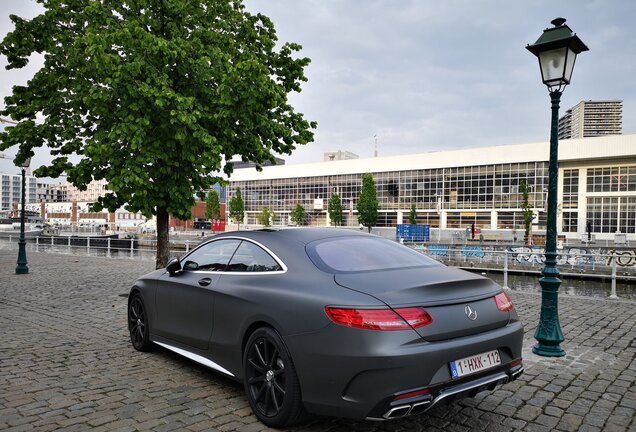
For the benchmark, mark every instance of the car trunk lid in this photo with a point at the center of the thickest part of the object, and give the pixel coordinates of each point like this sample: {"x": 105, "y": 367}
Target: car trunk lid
{"x": 460, "y": 303}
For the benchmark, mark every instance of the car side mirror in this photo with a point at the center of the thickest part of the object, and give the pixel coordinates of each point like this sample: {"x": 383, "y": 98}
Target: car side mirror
{"x": 174, "y": 265}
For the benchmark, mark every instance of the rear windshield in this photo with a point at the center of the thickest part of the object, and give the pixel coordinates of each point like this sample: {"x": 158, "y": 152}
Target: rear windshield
{"x": 354, "y": 254}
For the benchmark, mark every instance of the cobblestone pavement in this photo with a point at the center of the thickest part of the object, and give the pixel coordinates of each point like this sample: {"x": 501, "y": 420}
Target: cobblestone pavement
{"x": 66, "y": 363}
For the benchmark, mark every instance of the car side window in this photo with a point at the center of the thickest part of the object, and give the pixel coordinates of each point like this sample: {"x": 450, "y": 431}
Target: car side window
{"x": 250, "y": 257}
{"x": 213, "y": 256}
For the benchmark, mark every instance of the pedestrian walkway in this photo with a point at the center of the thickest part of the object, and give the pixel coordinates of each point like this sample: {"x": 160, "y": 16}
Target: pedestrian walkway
{"x": 66, "y": 363}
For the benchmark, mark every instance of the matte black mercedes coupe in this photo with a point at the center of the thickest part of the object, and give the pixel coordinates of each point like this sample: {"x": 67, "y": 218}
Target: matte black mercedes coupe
{"x": 334, "y": 322}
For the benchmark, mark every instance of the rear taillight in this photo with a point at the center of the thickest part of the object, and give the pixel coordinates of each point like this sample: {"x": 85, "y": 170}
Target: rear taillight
{"x": 503, "y": 302}
{"x": 411, "y": 394}
{"x": 380, "y": 319}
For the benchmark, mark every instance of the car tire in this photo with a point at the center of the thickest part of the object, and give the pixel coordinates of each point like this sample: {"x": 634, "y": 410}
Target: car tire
{"x": 138, "y": 324}
{"x": 271, "y": 383}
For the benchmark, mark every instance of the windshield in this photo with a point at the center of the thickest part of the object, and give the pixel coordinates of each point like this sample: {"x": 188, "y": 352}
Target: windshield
{"x": 354, "y": 254}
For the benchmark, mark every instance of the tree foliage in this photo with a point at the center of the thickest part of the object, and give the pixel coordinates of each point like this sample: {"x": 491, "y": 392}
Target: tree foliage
{"x": 266, "y": 216}
{"x": 368, "y": 202}
{"x": 212, "y": 205}
{"x": 335, "y": 209}
{"x": 526, "y": 208}
{"x": 298, "y": 215}
{"x": 413, "y": 214}
{"x": 237, "y": 208}
{"x": 152, "y": 96}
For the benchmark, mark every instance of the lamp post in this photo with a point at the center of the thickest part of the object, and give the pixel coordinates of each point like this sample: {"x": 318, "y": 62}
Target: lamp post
{"x": 556, "y": 50}
{"x": 22, "y": 267}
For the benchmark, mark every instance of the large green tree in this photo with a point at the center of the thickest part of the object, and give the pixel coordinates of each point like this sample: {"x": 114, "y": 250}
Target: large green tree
{"x": 335, "y": 209}
{"x": 152, "y": 96}
{"x": 368, "y": 202}
{"x": 212, "y": 205}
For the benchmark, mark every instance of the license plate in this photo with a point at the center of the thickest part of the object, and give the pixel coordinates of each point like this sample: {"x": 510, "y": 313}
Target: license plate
{"x": 473, "y": 364}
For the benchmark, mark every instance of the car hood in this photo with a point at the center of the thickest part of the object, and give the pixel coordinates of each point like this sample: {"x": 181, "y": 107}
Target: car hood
{"x": 445, "y": 293}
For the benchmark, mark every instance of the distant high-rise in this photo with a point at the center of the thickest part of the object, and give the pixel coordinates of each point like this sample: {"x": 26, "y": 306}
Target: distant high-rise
{"x": 592, "y": 118}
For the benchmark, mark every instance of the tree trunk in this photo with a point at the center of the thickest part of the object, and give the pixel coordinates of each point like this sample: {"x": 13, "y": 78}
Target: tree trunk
{"x": 163, "y": 243}
{"x": 527, "y": 238}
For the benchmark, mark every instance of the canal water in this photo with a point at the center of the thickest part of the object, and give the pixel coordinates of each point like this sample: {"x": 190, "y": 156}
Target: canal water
{"x": 597, "y": 288}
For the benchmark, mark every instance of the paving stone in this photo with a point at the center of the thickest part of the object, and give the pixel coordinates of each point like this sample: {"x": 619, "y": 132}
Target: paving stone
{"x": 57, "y": 375}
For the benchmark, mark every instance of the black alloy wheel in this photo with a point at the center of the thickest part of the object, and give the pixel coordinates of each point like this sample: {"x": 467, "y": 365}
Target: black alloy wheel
{"x": 138, "y": 324}
{"x": 271, "y": 384}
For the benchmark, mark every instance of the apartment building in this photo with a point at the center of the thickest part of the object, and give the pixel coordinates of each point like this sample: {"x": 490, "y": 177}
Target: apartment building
{"x": 592, "y": 119}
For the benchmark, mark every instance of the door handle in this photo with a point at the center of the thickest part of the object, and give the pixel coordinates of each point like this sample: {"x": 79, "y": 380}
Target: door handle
{"x": 205, "y": 281}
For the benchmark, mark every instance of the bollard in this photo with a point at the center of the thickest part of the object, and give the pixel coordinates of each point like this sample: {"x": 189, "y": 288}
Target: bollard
{"x": 505, "y": 284}
{"x": 613, "y": 292}
{"x": 187, "y": 246}
{"x": 108, "y": 247}
{"x": 88, "y": 245}
{"x": 52, "y": 240}
{"x": 37, "y": 241}
{"x": 132, "y": 248}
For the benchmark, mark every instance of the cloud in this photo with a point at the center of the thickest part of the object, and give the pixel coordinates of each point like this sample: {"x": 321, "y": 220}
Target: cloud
{"x": 428, "y": 75}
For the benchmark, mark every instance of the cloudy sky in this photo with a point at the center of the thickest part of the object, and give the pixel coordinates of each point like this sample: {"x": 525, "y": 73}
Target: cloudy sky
{"x": 426, "y": 75}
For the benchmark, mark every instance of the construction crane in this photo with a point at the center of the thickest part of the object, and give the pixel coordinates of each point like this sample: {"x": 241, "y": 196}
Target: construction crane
{"x": 4, "y": 156}
{"x": 7, "y": 121}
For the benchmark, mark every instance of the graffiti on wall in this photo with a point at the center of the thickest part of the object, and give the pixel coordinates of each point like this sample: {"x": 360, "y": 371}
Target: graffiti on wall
{"x": 438, "y": 250}
{"x": 623, "y": 258}
{"x": 473, "y": 251}
{"x": 534, "y": 255}
{"x": 574, "y": 256}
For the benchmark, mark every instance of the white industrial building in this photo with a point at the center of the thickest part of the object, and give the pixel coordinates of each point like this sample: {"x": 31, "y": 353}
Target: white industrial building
{"x": 456, "y": 188}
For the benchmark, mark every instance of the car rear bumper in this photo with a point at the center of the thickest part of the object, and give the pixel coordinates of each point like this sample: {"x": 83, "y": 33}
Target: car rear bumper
{"x": 443, "y": 394}
{"x": 356, "y": 373}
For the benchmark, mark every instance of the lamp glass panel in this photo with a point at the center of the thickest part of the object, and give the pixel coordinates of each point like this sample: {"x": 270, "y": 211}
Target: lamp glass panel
{"x": 569, "y": 65}
{"x": 553, "y": 65}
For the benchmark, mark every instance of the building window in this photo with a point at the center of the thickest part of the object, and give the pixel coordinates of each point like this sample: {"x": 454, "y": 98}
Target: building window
{"x": 628, "y": 215}
{"x": 570, "y": 188}
{"x": 612, "y": 179}
{"x": 570, "y": 221}
{"x": 602, "y": 214}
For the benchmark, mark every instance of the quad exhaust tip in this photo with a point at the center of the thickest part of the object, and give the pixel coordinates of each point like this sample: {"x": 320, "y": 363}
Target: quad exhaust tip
{"x": 488, "y": 383}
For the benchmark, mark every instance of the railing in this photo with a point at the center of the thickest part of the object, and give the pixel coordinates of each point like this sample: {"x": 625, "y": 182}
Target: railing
{"x": 109, "y": 246}
{"x": 601, "y": 264}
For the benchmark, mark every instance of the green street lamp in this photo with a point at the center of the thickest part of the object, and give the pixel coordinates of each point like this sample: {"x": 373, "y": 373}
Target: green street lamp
{"x": 22, "y": 267}
{"x": 556, "y": 49}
